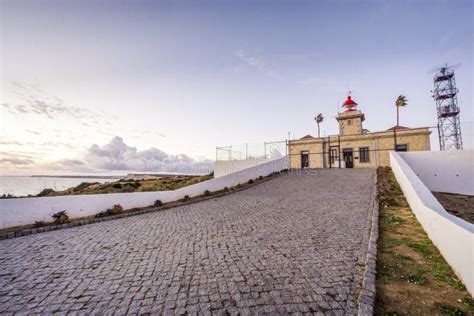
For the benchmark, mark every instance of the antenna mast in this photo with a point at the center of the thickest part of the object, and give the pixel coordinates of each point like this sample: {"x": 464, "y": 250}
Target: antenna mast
{"x": 445, "y": 95}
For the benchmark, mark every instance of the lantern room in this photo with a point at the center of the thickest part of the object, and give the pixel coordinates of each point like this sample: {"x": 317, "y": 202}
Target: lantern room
{"x": 349, "y": 104}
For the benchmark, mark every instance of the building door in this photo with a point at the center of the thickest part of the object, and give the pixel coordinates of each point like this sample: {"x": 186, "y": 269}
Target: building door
{"x": 348, "y": 158}
{"x": 304, "y": 159}
{"x": 333, "y": 157}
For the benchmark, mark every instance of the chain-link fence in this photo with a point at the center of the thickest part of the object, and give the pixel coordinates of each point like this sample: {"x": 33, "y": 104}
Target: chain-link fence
{"x": 248, "y": 151}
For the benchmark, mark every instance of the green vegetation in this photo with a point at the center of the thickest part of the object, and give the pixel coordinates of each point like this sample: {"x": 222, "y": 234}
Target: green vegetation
{"x": 130, "y": 185}
{"x": 114, "y": 210}
{"x": 7, "y": 196}
{"x": 60, "y": 218}
{"x": 412, "y": 276}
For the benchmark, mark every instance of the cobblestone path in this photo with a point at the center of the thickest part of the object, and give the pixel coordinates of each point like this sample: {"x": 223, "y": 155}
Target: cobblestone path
{"x": 292, "y": 244}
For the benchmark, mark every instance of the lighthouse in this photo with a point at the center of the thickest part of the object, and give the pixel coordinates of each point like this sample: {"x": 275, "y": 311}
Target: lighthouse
{"x": 350, "y": 120}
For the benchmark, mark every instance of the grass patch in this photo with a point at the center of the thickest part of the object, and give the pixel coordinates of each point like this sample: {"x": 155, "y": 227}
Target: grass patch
{"x": 447, "y": 309}
{"x": 130, "y": 185}
{"x": 412, "y": 276}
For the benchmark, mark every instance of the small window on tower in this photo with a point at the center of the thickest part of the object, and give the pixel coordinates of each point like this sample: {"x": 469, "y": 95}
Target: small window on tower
{"x": 349, "y": 122}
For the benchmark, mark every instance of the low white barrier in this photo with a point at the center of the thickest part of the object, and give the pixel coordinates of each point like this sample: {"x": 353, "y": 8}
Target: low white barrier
{"x": 449, "y": 171}
{"x": 225, "y": 167}
{"x": 22, "y": 211}
{"x": 453, "y": 236}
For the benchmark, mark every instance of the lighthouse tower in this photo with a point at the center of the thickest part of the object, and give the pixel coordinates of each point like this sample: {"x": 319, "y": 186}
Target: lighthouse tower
{"x": 350, "y": 120}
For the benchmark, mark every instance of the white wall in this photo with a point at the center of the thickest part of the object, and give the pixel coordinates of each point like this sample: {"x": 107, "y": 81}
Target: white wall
{"x": 449, "y": 171}
{"x": 22, "y": 211}
{"x": 453, "y": 236}
{"x": 224, "y": 167}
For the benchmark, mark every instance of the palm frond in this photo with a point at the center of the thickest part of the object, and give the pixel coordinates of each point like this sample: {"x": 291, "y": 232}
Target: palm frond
{"x": 401, "y": 101}
{"x": 319, "y": 118}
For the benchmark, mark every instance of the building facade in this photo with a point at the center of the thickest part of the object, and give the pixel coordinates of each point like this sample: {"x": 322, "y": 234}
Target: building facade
{"x": 355, "y": 147}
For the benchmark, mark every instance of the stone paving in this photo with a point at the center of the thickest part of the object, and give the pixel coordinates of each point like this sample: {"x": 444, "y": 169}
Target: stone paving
{"x": 293, "y": 244}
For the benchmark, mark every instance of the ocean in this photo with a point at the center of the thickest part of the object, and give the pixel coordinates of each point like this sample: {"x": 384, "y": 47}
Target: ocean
{"x": 22, "y": 186}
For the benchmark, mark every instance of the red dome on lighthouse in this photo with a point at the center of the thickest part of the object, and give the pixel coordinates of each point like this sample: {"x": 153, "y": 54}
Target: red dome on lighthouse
{"x": 349, "y": 104}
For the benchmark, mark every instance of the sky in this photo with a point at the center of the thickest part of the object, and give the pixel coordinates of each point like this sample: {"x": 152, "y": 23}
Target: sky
{"x": 114, "y": 86}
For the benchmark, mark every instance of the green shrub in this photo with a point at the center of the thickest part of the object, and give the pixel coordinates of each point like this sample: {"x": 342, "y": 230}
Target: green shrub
{"x": 39, "y": 224}
{"x": 7, "y": 196}
{"x": 250, "y": 181}
{"x": 260, "y": 177}
{"x": 127, "y": 188}
{"x": 117, "y": 185}
{"x": 82, "y": 186}
{"x": 158, "y": 203}
{"x": 60, "y": 217}
{"x": 185, "y": 198}
{"x": 114, "y": 210}
{"x": 207, "y": 193}
{"x": 45, "y": 192}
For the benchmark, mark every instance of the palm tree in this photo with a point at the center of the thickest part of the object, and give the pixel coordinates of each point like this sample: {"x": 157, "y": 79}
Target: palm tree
{"x": 401, "y": 101}
{"x": 318, "y": 120}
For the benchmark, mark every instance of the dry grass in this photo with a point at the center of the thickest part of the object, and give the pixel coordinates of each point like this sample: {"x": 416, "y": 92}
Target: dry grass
{"x": 124, "y": 186}
{"x": 412, "y": 276}
{"x": 457, "y": 204}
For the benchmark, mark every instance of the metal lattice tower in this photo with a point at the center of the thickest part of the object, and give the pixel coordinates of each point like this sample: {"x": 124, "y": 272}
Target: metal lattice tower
{"x": 445, "y": 95}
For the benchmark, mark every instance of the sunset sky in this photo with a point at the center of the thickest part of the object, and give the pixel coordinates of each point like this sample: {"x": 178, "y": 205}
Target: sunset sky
{"x": 113, "y": 86}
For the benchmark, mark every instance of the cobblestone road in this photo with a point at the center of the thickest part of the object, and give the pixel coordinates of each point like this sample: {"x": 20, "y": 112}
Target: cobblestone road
{"x": 292, "y": 244}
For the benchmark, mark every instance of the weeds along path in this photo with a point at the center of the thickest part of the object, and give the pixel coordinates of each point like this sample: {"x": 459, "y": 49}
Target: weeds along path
{"x": 412, "y": 276}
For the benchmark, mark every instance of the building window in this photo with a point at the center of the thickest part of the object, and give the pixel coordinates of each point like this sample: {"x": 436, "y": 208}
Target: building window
{"x": 349, "y": 122}
{"x": 403, "y": 147}
{"x": 364, "y": 154}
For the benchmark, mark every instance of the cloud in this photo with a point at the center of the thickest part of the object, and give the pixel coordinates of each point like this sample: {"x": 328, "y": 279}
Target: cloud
{"x": 15, "y": 159}
{"x": 117, "y": 155}
{"x": 113, "y": 157}
{"x": 249, "y": 59}
{"x": 11, "y": 142}
{"x": 32, "y": 132}
{"x": 32, "y": 100}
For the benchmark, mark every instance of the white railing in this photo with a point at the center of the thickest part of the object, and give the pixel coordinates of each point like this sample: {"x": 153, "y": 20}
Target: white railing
{"x": 453, "y": 236}
{"x": 22, "y": 211}
{"x": 252, "y": 151}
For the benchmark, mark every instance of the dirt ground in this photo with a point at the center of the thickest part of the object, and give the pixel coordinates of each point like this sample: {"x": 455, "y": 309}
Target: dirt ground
{"x": 412, "y": 276}
{"x": 457, "y": 204}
